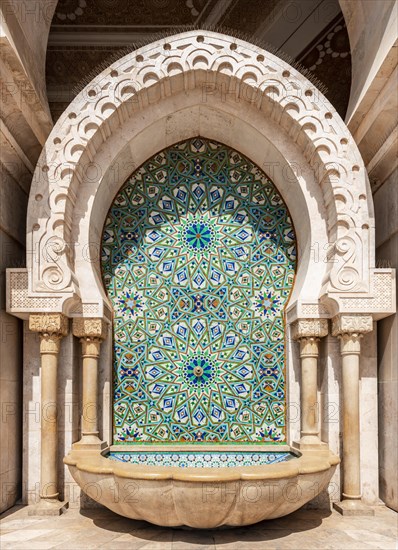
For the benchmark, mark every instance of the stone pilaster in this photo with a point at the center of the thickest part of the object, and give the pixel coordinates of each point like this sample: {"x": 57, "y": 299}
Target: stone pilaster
{"x": 350, "y": 329}
{"x": 308, "y": 332}
{"x": 52, "y": 327}
{"x": 91, "y": 332}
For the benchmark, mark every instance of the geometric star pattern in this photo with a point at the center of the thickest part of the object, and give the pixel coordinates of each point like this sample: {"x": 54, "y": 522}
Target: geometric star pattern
{"x": 207, "y": 459}
{"x": 198, "y": 260}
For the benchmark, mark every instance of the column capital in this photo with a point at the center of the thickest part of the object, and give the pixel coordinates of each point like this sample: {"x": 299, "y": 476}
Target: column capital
{"x": 90, "y": 328}
{"x": 50, "y": 343}
{"x": 309, "y": 328}
{"x": 351, "y": 324}
{"x": 49, "y": 324}
{"x": 350, "y": 343}
{"x": 309, "y": 346}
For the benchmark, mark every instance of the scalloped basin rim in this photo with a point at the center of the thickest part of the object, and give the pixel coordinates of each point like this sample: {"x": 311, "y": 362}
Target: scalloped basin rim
{"x": 308, "y": 463}
{"x": 202, "y": 498}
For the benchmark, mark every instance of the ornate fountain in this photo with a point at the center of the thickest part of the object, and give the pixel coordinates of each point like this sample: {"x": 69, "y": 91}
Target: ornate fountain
{"x": 198, "y": 260}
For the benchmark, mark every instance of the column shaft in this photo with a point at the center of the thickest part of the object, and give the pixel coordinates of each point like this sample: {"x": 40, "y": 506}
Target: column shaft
{"x": 49, "y": 348}
{"x": 91, "y": 332}
{"x": 51, "y": 328}
{"x": 309, "y": 390}
{"x": 308, "y": 332}
{"x": 90, "y": 386}
{"x": 350, "y": 328}
{"x": 350, "y": 348}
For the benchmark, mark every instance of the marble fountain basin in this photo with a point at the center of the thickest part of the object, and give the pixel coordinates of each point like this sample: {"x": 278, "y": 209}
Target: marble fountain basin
{"x": 202, "y": 488}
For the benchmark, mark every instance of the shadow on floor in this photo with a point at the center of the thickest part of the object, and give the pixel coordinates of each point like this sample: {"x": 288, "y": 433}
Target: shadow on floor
{"x": 300, "y": 521}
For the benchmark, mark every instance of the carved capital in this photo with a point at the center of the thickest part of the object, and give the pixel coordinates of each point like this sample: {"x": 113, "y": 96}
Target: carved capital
{"x": 90, "y": 346}
{"x": 309, "y": 328}
{"x": 50, "y": 343}
{"x": 309, "y": 346}
{"x": 89, "y": 328}
{"x": 351, "y": 324}
{"x": 51, "y": 324}
{"x": 350, "y": 343}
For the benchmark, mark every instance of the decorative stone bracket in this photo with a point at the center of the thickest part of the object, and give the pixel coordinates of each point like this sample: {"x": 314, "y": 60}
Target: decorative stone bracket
{"x": 21, "y": 301}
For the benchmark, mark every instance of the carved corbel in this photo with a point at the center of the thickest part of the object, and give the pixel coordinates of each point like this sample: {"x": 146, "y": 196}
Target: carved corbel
{"x": 351, "y": 324}
{"x": 90, "y": 327}
{"x": 309, "y": 328}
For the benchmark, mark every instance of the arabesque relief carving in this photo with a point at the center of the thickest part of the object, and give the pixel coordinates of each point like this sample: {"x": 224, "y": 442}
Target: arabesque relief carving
{"x": 86, "y": 327}
{"x": 349, "y": 324}
{"x": 206, "y": 64}
{"x": 154, "y": 72}
{"x": 307, "y": 328}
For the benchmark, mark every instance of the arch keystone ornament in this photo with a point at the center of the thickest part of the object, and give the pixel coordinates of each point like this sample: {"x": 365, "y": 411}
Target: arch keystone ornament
{"x": 213, "y": 87}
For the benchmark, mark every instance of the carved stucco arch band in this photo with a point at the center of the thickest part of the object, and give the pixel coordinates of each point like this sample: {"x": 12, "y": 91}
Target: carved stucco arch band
{"x": 201, "y": 83}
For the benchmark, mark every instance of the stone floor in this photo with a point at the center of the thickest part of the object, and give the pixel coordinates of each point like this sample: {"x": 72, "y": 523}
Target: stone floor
{"x": 303, "y": 530}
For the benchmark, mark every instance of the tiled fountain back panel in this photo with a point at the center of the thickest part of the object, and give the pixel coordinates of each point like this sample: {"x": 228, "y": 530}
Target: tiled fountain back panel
{"x": 198, "y": 259}
{"x": 211, "y": 459}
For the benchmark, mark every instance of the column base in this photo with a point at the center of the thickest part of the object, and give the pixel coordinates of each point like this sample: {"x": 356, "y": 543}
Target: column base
{"x": 48, "y": 508}
{"x": 89, "y": 443}
{"x": 310, "y": 443}
{"x": 353, "y": 508}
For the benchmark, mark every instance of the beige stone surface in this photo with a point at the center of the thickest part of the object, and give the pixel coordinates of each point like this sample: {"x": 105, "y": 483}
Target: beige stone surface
{"x": 369, "y": 428}
{"x": 68, "y": 396}
{"x": 13, "y": 205}
{"x": 372, "y": 29}
{"x": 90, "y": 137}
{"x": 27, "y": 25}
{"x": 130, "y": 131}
{"x": 202, "y": 497}
{"x": 305, "y": 529}
{"x": 386, "y": 208}
{"x": 10, "y": 382}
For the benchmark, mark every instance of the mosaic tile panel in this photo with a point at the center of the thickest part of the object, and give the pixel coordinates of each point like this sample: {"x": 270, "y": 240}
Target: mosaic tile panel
{"x": 200, "y": 460}
{"x": 198, "y": 259}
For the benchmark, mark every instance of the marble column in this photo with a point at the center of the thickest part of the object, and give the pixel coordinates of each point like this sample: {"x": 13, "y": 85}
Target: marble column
{"x": 308, "y": 332}
{"x": 52, "y": 327}
{"x": 350, "y": 329}
{"x": 91, "y": 332}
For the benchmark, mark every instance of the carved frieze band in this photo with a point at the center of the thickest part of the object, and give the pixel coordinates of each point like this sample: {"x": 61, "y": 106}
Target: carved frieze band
{"x": 309, "y": 328}
{"x": 351, "y": 324}
{"x": 89, "y": 327}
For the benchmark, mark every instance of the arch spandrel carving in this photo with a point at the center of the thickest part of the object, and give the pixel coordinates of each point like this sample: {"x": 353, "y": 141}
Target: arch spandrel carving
{"x": 239, "y": 74}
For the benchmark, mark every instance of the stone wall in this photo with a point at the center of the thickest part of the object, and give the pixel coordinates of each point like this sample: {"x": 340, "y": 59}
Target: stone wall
{"x": 386, "y": 207}
{"x": 27, "y": 25}
{"x": 25, "y": 125}
{"x": 12, "y": 252}
{"x": 373, "y": 120}
{"x": 372, "y": 29}
{"x": 14, "y": 191}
